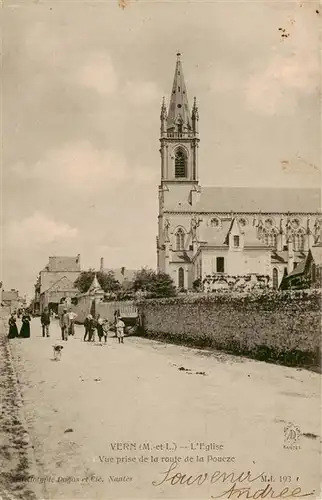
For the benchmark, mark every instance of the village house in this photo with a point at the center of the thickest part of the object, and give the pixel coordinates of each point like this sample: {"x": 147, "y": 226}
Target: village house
{"x": 56, "y": 282}
{"x": 12, "y": 299}
{"x": 123, "y": 275}
{"x": 211, "y": 230}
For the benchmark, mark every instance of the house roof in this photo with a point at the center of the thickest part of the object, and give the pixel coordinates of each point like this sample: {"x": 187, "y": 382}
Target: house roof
{"x": 267, "y": 200}
{"x": 128, "y": 274}
{"x": 300, "y": 268}
{"x": 63, "y": 264}
{"x": 62, "y": 284}
{"x": 10, "y": 295}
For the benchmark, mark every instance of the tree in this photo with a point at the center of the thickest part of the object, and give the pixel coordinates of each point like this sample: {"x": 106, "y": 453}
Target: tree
{"x": 84, "y": 280}
{"x": 143, "y": 279}
{"x": 197, "y": 285}
{"x": 106, "y": 280}
{"x": 163, "y": 285}
{"x": 157, "y": 284}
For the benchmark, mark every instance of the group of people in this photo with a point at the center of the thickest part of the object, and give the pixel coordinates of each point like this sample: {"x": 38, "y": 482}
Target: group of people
{"x": 67, "y": 326}
{"x": 103, "y": 326}
{"x": 24, "y": 332}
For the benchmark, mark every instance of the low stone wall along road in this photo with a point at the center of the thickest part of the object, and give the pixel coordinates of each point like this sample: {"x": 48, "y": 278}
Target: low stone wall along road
{"x": 150, "y": 420}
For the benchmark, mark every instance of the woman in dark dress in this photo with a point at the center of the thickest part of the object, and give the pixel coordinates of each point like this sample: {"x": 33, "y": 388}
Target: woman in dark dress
{"x": 13, "y": 330}
{"x": 25, "y": 328}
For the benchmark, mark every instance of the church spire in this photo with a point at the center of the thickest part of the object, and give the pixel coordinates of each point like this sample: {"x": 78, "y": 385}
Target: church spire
{"x": 179, "y": 114}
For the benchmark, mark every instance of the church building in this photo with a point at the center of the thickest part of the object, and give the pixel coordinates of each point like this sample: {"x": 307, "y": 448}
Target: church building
{"x": 204, "y": 231}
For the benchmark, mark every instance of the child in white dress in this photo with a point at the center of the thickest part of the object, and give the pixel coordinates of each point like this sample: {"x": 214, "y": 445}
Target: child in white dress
{"x": 120, "y": 331}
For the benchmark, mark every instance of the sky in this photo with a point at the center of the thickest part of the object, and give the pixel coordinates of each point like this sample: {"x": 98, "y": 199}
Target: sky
{"x": 82, "y": 85}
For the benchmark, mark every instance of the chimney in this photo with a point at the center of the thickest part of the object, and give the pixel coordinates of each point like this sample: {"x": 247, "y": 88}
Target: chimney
{"x": 102, "y": 264}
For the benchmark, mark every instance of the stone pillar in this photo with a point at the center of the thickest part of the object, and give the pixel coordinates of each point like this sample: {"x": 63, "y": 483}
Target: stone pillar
{"x": 290, "y": 257}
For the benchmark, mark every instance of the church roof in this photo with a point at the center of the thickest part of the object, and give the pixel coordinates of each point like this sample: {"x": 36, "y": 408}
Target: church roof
{"x": 218, "y": 236}
{"x": 247, "y": 199}
{"x": 179, "y": 106}
{"x": 214, "y": 236}
{"x": 281, "y": 257}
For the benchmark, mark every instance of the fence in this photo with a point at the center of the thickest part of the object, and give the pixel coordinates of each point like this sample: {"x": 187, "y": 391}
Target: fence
{"x": 127, "y": 308}
{"x": 87, "y": 305}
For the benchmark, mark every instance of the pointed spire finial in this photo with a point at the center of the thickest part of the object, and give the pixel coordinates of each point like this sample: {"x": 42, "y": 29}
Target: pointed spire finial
{"x": 179, "y": 113}
{"x": 163, "y": 115}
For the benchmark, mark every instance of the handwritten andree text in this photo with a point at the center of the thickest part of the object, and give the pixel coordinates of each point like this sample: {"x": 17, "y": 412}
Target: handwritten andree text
{"x": 235, "y": 484}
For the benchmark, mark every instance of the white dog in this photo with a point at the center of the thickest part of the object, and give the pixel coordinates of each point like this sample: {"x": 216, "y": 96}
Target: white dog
{"x": 57, "y": 351}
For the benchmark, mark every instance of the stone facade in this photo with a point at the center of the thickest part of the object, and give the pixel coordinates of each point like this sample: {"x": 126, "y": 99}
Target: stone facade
{"x": 197, "y": 226}
{"x": 60, "y": 271}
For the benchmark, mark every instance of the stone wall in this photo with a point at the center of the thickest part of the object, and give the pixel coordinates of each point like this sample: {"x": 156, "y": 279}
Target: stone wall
{"x": 281, "y": 327}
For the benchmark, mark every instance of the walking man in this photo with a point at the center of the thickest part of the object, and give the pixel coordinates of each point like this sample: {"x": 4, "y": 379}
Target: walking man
{"x": 64, "y": 324}
{"x": 45, "y": 322}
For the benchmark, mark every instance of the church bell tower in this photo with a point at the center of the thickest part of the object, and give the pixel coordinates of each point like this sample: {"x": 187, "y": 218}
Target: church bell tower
{"x": 179, "y": 134}
{"x": 179, "y": 187}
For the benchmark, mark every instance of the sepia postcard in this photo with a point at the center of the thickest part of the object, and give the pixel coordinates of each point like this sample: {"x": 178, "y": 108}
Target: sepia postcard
{"x": 161, "y": 250}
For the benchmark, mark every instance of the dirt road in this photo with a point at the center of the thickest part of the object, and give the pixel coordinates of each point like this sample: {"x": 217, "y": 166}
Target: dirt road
{"x": 108, "y": 421}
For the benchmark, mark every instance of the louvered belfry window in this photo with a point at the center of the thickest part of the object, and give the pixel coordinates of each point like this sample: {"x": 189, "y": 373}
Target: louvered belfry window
{"x": 180, "y": 164}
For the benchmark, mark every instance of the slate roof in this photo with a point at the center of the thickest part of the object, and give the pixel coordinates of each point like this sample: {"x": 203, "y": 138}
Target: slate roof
{"x": 300, "y": 268}
{"x": 63, "y": 264}
{"x": 282, "y": 257}
{"x": 268, "y": 200}
{"x": 128, "y": 274}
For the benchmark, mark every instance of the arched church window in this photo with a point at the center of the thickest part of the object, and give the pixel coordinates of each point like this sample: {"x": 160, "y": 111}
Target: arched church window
{"x": 180, "y": 239}
{"x": 275, "y": 278}
{"x": 298, "y": 241}
{"x": 180, "y": 278}
{"x": 180, "y": 164}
